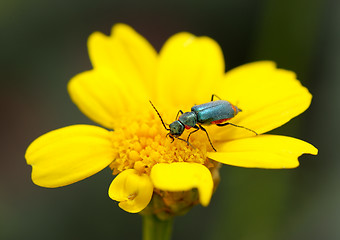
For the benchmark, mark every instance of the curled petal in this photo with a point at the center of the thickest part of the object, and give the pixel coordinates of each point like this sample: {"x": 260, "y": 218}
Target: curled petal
{"x": 69, "y": 154}
{"x": 189, "y": 67}
{"x": 264, "y": 151}
{"x": 269, "y": 97}
{"x": 132, "y": 190}
{"x": 183, "y": 176}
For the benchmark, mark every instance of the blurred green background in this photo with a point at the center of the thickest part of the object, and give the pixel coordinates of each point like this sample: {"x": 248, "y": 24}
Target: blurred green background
{"x": 43, "y": 44}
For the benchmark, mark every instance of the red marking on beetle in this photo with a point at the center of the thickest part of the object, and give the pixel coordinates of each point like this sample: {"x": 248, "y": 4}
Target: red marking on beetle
{"x": 187, "y": 127}
{"x": 220, "y": 121}
{"x": 234, "y": 108}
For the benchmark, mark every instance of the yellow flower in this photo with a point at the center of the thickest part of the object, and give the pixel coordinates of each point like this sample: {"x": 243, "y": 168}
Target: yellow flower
{"x": 127, "y": 73}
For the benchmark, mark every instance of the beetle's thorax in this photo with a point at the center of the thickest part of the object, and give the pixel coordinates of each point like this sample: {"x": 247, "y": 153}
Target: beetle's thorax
{"x": 188, "y": 119}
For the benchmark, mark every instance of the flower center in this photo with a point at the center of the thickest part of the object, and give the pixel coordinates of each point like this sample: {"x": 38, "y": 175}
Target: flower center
{"x": 142, "y": 143}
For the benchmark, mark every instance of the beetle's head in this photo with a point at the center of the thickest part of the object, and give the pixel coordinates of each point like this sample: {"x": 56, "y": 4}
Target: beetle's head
{"x": 176, "y": 129}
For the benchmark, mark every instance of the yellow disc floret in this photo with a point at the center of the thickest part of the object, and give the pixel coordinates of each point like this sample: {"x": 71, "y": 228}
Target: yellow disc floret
{"x": 143, "y": 143}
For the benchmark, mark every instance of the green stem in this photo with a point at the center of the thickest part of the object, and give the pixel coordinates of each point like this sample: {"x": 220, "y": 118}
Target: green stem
{"x": 156, "y": 229}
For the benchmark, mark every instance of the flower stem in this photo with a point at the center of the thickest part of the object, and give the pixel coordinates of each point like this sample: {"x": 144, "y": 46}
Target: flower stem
{"x": 156, "y": 229}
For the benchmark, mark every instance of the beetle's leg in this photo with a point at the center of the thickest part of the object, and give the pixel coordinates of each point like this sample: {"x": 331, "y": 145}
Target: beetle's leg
{"x": 214, "y": 95}
{"x": 172, "y": 138}
{"x": 228, "y": 123}
{"x": 179, "y": 112}
{"x": 203, "y": 129}
{"x": 187, "y": 142}
{"x": 196, "y": 129}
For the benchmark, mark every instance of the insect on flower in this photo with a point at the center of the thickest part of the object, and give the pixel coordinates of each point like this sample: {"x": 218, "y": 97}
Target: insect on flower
{"x": 153, "y": 174}
{"x": 213, "y": 112}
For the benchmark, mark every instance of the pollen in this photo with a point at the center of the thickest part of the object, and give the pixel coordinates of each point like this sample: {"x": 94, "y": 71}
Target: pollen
{"x": 142, "y": 143}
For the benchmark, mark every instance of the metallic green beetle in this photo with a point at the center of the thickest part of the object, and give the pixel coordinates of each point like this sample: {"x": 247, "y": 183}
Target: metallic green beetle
{"x": 214, "y": 112}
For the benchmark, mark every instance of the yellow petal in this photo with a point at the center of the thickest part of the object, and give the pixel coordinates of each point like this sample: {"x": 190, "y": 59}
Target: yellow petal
{"x": 182, "y": 176}
{"x": 126, "y": 53}
{"x": 132, "y": 190}
{"x": 264, "y": 151}
{"x": 269, "y": 97}
{"x": 69, "y": 154}
{"x": 104, "y": 98}
{"x": 188, "y": 69}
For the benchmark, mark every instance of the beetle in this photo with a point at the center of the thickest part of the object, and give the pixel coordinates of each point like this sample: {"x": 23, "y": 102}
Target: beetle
{"x": 213, "y": 112}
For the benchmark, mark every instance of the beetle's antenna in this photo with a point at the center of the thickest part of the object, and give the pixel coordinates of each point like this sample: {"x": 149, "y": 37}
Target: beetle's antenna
{"x": 159, "y": 116}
